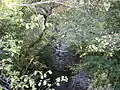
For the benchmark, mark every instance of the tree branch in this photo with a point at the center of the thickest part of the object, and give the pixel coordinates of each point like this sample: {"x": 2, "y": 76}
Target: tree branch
{"x": 41, "y": 35}
{"x": 45, "y": 2}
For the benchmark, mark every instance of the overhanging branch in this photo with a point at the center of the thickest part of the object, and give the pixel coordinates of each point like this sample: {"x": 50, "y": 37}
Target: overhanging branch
{"x": 45, "y": 2}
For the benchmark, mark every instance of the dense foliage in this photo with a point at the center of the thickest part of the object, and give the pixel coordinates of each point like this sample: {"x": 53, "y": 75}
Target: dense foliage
{"x": 32, "y": 33}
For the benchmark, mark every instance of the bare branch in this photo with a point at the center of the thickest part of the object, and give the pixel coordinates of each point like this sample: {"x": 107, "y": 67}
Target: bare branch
{"x": 45, "y": 2}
